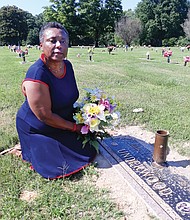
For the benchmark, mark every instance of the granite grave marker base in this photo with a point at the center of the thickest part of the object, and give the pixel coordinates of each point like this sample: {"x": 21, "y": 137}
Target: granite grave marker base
{"x": 166, "y": 193}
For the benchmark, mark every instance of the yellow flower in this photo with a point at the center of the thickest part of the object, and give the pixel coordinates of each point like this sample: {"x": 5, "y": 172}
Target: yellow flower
{"x": 79, "y": 118}
{"x": 93, "y": 98}
{"x": 92, "y": 109}
{"x": 94, "y": 122}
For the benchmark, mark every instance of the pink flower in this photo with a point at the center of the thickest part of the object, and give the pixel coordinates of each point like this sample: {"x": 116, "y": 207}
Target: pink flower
{"x": 85, "y": 129}
{"x": 187, "y": 59}
{"x": 106, "y": 103}
{"x": 167, "y": 53}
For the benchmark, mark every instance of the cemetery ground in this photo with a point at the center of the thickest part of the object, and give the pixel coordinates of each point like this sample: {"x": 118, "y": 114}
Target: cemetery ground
{"x": 161, "y": 89}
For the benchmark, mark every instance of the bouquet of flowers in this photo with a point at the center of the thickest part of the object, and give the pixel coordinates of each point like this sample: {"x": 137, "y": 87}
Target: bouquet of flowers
{"x": 96, "y": 112}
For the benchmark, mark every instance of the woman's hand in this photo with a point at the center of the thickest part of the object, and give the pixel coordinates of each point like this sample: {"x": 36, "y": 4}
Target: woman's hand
{"x": 78, "y": 128}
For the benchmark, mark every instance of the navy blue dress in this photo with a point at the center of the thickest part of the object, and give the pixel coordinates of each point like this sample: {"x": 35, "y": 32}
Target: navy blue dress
{"x": 52, "y": 152}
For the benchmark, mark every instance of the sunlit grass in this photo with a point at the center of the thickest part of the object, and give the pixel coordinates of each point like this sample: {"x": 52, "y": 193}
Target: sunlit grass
{"x": 161, "y": 89}
{"x": 71, "y": 198}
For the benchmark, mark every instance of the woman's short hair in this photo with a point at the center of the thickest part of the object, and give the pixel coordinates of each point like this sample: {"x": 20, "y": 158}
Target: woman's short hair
{"x": 53, "y": 24}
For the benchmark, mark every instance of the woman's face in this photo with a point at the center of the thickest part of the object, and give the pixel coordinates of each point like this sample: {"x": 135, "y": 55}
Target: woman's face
{"x": 55, "y": 44}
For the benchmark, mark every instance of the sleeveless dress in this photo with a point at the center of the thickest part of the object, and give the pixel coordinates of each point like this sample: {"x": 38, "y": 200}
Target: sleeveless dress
{"x": 52, "y": 152}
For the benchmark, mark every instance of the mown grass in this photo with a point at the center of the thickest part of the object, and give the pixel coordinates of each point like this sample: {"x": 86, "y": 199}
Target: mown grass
{"x": 71, "y": 198}
{"x": 161, "y": 89}
{"x": 68, "y": 199}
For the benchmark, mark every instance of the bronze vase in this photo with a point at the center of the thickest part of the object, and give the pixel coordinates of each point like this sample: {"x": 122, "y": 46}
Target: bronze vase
{"x": 160, "y": 146}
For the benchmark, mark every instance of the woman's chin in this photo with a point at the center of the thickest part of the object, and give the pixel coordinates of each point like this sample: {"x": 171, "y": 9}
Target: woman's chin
{"x": 57, "y": 58}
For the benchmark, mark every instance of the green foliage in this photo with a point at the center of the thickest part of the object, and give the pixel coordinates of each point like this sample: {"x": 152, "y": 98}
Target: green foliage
{"x": 18, "y": 26}
{"x": 114, "y": 12}
{"x": 34, "y": 24}
{"x": 170, "y": 42}
{"x": 161, "y": 19}
{"x": 65, "y": 12}
{"x": 92, "y": 22}
{"x": 13, "y": 25}
{"x": 32, "y": 37}
{"x": 88, "y": 22}
{"x": 183, "y": 41}
{"x": 118, "y": 41}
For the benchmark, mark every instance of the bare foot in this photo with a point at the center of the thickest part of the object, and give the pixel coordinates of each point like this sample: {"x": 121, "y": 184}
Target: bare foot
{"x": 16, "y": 150}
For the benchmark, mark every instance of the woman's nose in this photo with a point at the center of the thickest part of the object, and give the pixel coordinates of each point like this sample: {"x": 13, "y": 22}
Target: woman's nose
{"x": 58, "y": 44}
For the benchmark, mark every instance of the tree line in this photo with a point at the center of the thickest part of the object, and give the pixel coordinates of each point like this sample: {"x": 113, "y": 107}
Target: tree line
{"x": 102, "y": 23}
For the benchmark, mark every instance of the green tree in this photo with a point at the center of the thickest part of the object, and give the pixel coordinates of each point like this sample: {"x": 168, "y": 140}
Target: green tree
{"x": 114, "y": 12}
{"x": 13, "y": 25}
{"x": 65, "y": 12}
{"x": 93, "y": 17}
{"x": 32, "y": 37}
{"x": 100, "y": 17}
{"x": 34, "y": 24}
{"x": 87, "y": 21}
{"x": 161, "y": 19}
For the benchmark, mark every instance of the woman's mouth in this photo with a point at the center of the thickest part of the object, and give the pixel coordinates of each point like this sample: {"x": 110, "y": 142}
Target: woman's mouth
{"x": 57, "y": 52}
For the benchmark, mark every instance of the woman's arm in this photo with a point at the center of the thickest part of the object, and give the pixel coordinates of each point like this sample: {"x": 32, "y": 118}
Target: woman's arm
{"x": 39, "y": 100}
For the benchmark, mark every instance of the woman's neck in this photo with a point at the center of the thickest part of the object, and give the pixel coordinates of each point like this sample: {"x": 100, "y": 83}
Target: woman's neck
{"x": 57, "y": 68}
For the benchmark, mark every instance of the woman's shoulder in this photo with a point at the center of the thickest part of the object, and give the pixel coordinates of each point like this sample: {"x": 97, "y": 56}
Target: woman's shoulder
{"x": 69, "y": 65}
{"x": 67, "y": 62}
{"x": 38, "y": 71}
{"x": 38, "y": 64}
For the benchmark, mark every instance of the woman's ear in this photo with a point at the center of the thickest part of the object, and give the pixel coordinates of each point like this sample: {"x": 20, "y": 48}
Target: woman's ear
{"x": 41, "y": 47}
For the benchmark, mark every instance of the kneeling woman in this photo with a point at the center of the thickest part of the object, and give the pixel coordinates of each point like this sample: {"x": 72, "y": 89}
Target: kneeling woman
{"x": 47, "y": 132}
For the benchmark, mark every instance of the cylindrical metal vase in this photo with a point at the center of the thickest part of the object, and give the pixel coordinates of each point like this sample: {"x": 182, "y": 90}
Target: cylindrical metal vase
{"x": 160, "y": 146}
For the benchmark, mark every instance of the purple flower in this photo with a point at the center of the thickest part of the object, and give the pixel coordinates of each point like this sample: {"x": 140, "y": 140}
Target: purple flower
{"x": 85, "y": 129}
{"x": 112, "y": 107}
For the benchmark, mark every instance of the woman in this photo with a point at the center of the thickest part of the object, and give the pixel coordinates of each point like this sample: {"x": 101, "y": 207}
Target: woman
{"x": 47, "y": 132}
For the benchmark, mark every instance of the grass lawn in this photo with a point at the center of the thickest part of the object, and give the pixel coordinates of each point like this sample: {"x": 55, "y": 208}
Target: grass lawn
{"x": 162, "y": 89}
